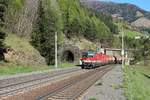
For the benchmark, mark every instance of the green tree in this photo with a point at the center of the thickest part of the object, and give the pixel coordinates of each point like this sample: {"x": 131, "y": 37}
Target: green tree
{"x": 2, "y": 46}
{"x": 146, "y": 49}
{"x": 142, "y": 49}
{"x": 109, "y": 22}
{"x": 3, "y": 7}
{"x": 48, "y": 22}
{"x": 76, "y": 19}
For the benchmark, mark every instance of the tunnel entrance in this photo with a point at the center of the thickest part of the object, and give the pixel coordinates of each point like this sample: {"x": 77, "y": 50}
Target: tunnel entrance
{"x": 68, "y": 56}
{"x": 69, "y": 53}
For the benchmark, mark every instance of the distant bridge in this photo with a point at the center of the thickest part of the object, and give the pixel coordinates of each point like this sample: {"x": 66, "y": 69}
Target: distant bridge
{"x": 117, "y": 52}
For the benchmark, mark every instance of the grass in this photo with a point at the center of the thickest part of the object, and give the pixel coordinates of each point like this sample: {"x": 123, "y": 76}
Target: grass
{"x": 136, "y": 83}
{"x": 66, "y": 65}
{"x": 99, "y": 83}
{"x": 17, "y": 4}
{"x": 24, "y": 53}
{"x": 92, "y": 99}
{"x": 127, "y": 30}
{"x": 10, "y": 69}
{"x": 17, "y": 43}
{"x": 23, "y": 45}
{"x": 116, "y": 86}
{"x": 130, "y": 34}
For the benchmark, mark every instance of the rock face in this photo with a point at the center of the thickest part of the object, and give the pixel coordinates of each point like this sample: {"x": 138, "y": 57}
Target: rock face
{"x": 24, "y": 58}
{"x": 139, "y": 14}
{"x": 141, "y": 22}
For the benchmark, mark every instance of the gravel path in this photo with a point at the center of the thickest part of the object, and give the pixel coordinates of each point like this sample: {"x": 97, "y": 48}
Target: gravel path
{"x": 107, "y": 88}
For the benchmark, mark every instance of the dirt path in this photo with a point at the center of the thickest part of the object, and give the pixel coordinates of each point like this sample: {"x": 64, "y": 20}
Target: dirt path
{"x": 107, "y": 88}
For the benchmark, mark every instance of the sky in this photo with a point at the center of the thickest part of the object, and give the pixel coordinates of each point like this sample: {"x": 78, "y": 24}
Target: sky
{"x": 144, "y": 4}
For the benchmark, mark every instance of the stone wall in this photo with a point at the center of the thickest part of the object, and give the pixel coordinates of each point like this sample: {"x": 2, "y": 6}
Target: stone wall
{"x": 71, "y": 48}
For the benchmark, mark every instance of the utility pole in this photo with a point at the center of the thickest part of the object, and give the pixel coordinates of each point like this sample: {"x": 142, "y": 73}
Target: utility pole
{"x": 122, "y": 52}
{"x": 56, "y": 57}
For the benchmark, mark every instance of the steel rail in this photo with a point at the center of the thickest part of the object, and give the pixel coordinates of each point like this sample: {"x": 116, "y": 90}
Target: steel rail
{"x": 13, "y": 88}
{"x": 78, "y": 85}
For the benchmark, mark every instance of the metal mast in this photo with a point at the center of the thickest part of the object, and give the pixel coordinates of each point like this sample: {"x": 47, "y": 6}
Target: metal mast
{"x": 56, "y": 57}
{"x": 122, "y": 48}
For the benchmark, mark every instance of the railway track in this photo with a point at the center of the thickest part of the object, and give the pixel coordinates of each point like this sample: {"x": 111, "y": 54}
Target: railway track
{"x": 12, "y": 85}
{"x": 67, "y": 86}
{"x": 76, "y": 87}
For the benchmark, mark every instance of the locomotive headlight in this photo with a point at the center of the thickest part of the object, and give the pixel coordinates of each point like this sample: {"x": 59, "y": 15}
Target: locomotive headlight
{"x": 80, "y": 62}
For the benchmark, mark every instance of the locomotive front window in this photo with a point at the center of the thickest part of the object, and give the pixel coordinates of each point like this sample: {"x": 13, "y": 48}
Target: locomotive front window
{"x": 87, "y": 54}
{"x": 84, "y": 55}
{"x": 91, "y": 55}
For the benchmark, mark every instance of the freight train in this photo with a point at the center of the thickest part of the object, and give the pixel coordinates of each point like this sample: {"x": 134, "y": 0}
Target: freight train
{"x": 92, "y": 60}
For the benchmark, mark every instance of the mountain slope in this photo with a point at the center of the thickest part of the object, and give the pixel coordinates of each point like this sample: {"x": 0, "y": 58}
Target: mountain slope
{"x": 128, "y": 12}
{"x": 141, "y": 22}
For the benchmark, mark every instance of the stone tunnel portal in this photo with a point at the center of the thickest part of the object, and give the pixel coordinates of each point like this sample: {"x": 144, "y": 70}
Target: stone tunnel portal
{"x": 69, "y": 53}
{"x": 68, "y": 56}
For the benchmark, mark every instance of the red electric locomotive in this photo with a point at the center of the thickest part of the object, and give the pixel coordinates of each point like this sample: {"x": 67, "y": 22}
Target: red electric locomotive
{"x": 92, "y": 60}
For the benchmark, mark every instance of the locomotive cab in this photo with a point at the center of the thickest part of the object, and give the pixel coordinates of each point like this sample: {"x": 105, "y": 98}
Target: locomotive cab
{"x": 85, "y": 61}
{"x": 87, "y": 54}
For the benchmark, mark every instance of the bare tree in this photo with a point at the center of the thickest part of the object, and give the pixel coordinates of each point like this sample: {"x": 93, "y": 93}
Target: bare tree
{"x": 21, "y": 22}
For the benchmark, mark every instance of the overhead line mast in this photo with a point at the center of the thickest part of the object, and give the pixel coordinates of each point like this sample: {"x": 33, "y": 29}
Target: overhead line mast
{"x": 122, "y": 52}
{"x": 56, "y": 57}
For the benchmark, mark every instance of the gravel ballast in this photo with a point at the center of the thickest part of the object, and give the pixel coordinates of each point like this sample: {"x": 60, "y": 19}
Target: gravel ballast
{"x": 107, "y": 88}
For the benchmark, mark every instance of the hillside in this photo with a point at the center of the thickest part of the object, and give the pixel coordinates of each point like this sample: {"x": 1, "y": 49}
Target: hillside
{"x": 28, "y": 28}
{"x": 142, "y": 22}
{"x": 21, "y": 52}
{"x": 17, "y": 27}
{"x": 30, "y": 25}
{"x": 70, "y": 19}
{"x": 128, "y": 12}
{"x": 32, "y": 37}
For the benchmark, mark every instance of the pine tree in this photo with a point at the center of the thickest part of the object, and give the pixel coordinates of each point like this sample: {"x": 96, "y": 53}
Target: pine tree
{"x": 3, "y": 6}
{"x": 48, "y": 22}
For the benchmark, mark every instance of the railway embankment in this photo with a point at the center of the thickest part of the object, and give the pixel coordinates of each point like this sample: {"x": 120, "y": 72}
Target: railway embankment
{"x": 107, "y": 88}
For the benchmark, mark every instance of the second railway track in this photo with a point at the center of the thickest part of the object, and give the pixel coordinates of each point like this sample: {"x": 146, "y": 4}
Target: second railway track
{"x": 75, "y": 88}
{"x": 68, "y": 87}
{"x": 30, "y": 81}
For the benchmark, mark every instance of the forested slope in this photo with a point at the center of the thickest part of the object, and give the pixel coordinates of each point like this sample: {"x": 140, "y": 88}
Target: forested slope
{"x": 16, "y": 26}
{"x": 30, "y": 27}
{"x": 38, "y": 20}
{"x": 68, "y": 18}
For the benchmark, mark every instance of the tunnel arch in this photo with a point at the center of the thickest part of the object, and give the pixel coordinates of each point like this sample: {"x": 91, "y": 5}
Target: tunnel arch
{"x": 68, "y": 56}
{"x": 69, "y": 53}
